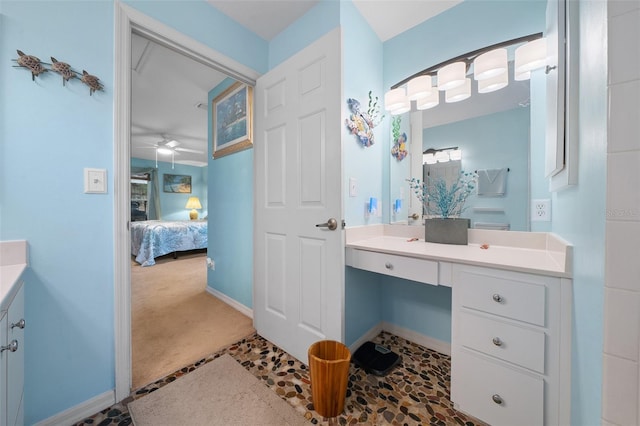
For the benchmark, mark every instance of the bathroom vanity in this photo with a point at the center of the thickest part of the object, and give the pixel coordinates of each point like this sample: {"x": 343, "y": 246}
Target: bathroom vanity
{"x": 511, "y": 314}
{"x": 13, "y": 262}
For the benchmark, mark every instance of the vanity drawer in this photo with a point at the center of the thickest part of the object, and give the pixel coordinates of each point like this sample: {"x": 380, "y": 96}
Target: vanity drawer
{"x": 496, "y": 393}
{"x": 518, "y": 345}
{"x": 410, "y": 268}
{"x": 508, "y": 294}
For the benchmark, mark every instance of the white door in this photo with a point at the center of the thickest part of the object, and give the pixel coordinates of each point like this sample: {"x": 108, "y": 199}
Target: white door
{"x": 299, "y": 267}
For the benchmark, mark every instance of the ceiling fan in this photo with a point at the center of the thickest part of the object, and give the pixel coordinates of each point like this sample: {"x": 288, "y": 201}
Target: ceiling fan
{"x": 170, "y": 147}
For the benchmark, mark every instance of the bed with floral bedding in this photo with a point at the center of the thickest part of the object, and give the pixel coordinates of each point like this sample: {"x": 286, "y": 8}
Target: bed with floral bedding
{"x": 154, "y": 238}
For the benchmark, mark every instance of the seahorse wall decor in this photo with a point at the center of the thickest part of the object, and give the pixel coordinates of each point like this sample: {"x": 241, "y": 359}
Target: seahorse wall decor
{"x": 37, "y": 67}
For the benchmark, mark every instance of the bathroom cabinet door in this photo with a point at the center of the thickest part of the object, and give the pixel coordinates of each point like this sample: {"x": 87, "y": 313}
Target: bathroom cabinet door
{"x": 3, "y": 369}
{"x": 15, "y": 360}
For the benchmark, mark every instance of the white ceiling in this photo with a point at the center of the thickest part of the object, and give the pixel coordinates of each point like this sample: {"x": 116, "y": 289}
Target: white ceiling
{"x": 167, "y": 86}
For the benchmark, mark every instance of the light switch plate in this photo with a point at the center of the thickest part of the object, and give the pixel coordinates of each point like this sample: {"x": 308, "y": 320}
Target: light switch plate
{"x": 353, "y": 187}
{"x": 95, "y": 181}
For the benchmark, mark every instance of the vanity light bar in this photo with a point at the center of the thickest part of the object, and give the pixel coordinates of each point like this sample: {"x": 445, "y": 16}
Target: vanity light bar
{"x": 489, "y": 64}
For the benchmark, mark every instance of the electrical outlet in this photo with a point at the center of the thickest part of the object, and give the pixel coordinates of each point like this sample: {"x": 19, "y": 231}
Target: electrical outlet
{"x": 541, "y": 210}
{"x": 211, "y": 264}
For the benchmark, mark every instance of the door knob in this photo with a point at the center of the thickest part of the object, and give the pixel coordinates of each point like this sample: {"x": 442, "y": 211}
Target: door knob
{"x": 19, "y": 324}
{"x": 11, "y": 347}
{"x": 332, "y": 224}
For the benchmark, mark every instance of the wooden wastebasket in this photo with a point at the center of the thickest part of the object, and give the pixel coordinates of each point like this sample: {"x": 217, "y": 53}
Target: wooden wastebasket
{"x": 329, "y": 370}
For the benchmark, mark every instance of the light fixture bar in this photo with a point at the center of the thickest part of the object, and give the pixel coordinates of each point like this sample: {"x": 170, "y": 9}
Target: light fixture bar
{"x": 468, "y": 57}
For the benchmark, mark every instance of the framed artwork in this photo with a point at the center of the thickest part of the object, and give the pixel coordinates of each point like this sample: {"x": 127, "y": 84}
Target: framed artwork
{"x": 232, "y": 120}
{"x": 176, "y": 183}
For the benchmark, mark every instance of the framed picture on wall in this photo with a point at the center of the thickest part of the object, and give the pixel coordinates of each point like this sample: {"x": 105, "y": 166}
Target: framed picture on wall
{"x": 176, "y": 183}
{"x": 232, "y": 120}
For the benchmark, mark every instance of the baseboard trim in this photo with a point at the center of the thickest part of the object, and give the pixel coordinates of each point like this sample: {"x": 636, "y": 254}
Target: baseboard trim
{"x": 369, "y": 335}
{"x": 415, "y": 337}
{"x": 405, "y": 333}
{"x": 81, "y": 411}
{"x": 231, "y": 302}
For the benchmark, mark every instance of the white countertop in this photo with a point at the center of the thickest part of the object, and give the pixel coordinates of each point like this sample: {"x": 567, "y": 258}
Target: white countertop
{"x": 13, "y": 262}
{"x": 531, "y": 252}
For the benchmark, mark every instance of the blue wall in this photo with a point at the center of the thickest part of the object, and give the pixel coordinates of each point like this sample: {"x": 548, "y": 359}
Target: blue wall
{"x": 362, "y": 72}
{"x": 579, "y": 217}
{"x": 362, "y": 68}
{"x": 231, "y": 237}
{"x": 49, "y": 133}
{"x": 172, "y": 204}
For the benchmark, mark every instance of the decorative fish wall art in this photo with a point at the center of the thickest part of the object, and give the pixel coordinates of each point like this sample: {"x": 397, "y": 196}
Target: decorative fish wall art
{"x": 37, "y": 67}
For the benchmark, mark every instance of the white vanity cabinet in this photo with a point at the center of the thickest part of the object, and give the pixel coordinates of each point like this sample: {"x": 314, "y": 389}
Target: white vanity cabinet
{"x": 511, "y": 346}
{"x": 12, "y": 361}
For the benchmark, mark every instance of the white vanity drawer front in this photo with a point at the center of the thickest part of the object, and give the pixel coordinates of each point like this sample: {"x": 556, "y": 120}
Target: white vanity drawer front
{"x": 410, "y": 268}
{"x": 506, "y": 294}
{"x": 495, "y": 393}
{"x": 519, "y": 345}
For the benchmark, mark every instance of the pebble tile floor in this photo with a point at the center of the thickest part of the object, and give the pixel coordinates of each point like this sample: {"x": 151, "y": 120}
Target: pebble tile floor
{"x": 416, "y": 392}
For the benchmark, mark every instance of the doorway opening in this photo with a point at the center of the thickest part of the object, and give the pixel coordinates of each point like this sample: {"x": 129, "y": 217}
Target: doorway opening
{"x": 129, "y": 22}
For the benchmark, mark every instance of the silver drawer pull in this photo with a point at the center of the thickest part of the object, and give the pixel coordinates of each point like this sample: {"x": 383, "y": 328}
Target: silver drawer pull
{"x": 388, "y": 265}
{"x": 497, "y": 341}
{"x": 11, "y": 347}
{"x": 19, "y": 324}
{"x": 497, "y": 399}
{"x": 497, "y": 298}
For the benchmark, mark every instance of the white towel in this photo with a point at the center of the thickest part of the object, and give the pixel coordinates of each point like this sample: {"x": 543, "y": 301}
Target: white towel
{"x": 492, "y": 182}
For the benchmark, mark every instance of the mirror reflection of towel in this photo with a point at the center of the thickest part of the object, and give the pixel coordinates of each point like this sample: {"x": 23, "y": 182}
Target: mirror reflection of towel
{"x": 492, "y": 182}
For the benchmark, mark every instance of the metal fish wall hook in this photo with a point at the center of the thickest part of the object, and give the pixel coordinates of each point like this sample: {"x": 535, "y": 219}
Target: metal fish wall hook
{"x": 31, "y": 63}
{"x": 92, "y": 81}
{"x": 63, "y": 69}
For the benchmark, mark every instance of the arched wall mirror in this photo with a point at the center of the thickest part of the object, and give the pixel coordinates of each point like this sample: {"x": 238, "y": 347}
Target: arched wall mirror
{"x": 500, "y": 135}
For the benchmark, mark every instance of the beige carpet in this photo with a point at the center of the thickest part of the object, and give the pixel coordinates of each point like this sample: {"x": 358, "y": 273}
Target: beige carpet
{"x": 221, "y": 392}
{"x": 174, "y": 321}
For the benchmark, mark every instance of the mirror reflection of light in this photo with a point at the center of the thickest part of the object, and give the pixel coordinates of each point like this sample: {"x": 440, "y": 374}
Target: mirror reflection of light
{"x": 494, "y": 83}
{"x": 531, "y": 56}
{"x": 165, "y": 151}
{"x": 456, "y": 154}
{"x": 429, "y": 102}
{"x": 459, "y": 93}
{"x": 442, "y": 156}
{"x": 429, "y": 159}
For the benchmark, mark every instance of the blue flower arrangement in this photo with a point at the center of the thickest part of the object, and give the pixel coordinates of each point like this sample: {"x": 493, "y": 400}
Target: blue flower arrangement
{"x": 440, "y": 201}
